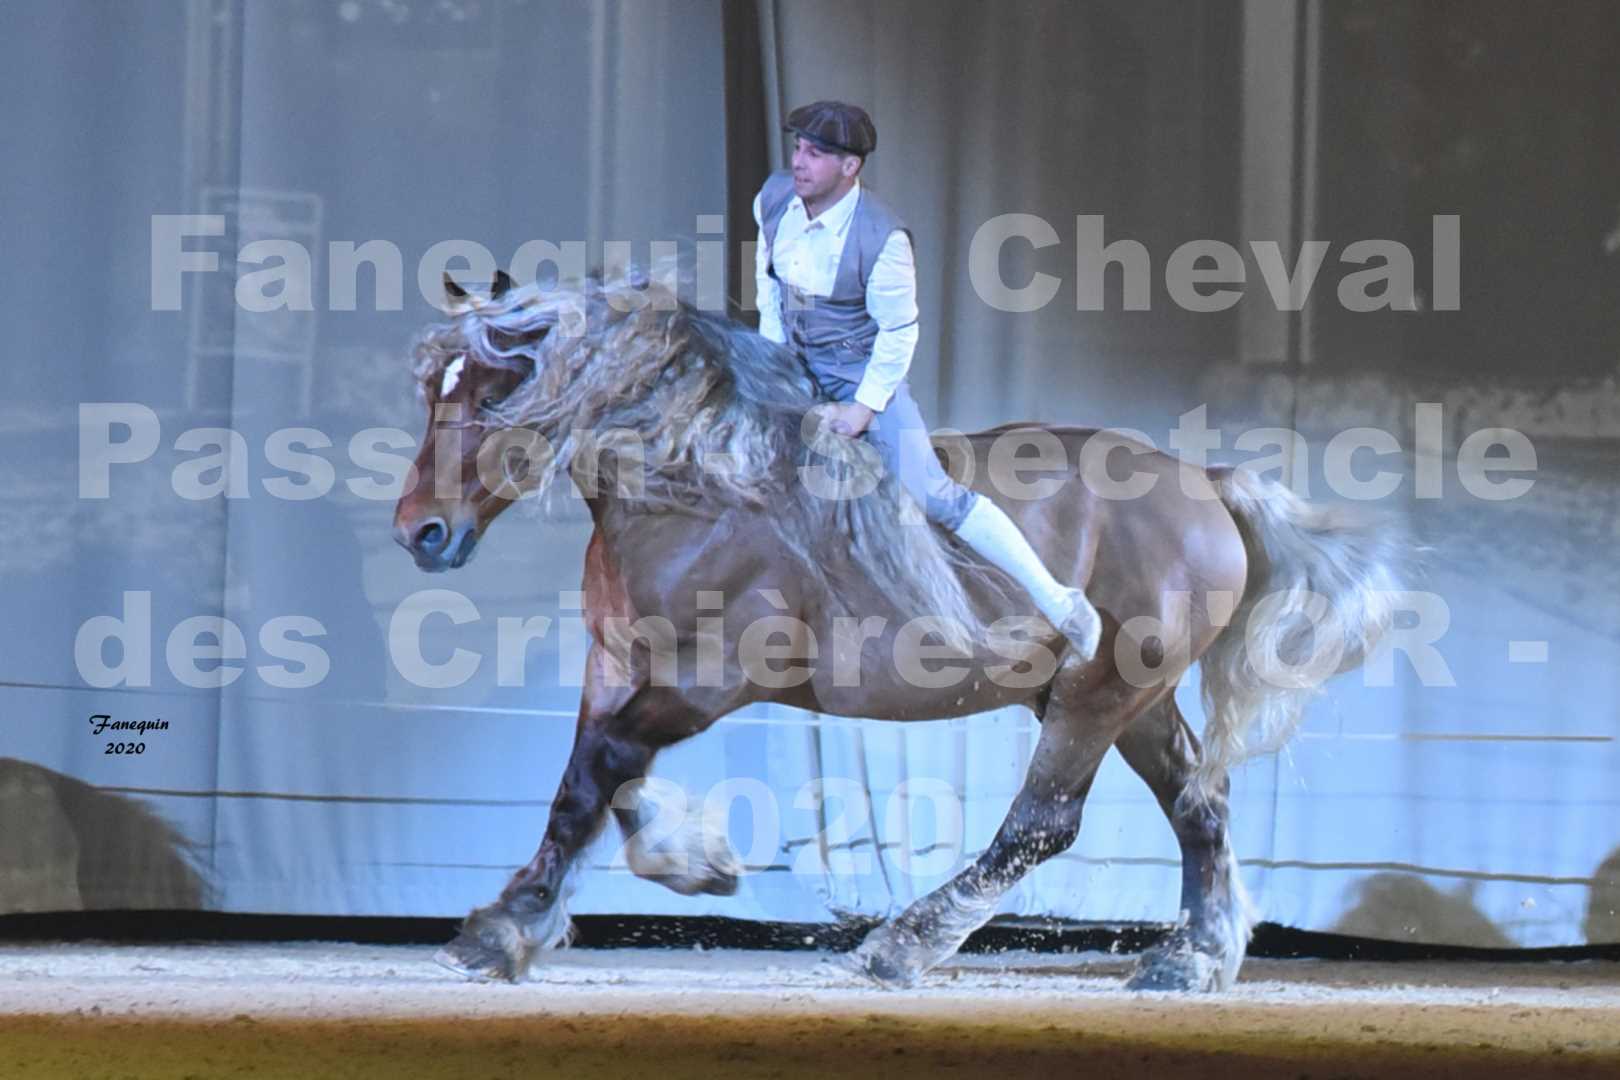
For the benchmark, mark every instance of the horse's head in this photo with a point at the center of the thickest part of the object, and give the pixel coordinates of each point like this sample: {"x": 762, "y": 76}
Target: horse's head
{"x": 611, "y": 382}
{"x": 477, "y": 455}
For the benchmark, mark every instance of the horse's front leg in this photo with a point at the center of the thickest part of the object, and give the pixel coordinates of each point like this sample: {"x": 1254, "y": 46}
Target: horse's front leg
{"x": 501, "y": 939}
{"x": 676, "y": 839}
{"x": 610, "y": 750}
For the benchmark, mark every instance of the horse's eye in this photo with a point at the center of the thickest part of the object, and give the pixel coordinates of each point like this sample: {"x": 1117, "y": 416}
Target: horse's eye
{"x": 488, "y": 403}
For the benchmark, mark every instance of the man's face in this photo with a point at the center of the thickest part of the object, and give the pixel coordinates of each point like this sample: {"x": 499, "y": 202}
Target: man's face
{"x": 817, "y": 172}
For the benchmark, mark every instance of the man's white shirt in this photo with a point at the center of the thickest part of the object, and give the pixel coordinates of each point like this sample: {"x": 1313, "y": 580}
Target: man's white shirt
{"x": 807, "y": 257}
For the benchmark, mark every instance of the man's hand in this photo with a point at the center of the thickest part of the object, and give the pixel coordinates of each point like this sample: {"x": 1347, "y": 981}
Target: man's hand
{"x": 848, "y": 418}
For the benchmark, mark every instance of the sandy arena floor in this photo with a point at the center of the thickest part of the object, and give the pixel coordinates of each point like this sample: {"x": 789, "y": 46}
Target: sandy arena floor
{"x": 320, "y": 1009}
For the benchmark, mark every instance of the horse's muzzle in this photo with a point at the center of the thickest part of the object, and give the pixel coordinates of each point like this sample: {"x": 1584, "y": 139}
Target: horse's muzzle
{"x": 436, "y": 546}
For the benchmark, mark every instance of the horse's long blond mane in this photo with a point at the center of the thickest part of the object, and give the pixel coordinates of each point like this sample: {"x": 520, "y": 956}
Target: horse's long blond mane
{"x": 719, "y": 415}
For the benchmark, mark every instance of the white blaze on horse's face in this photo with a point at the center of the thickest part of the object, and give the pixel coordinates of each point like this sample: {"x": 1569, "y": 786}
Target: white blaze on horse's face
{"x": 452, "y": 375}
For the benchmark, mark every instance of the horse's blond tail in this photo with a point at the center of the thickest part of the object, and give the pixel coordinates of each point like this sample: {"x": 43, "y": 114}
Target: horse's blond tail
{"x": 1314, "y": 570}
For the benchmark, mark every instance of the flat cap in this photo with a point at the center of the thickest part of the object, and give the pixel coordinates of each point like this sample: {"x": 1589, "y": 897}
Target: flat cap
{"x": 833, "y": 125}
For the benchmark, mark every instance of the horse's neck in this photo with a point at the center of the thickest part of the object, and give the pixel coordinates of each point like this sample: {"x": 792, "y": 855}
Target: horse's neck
{"x": 614, "y": 515}
{"x": 608, "y": 510}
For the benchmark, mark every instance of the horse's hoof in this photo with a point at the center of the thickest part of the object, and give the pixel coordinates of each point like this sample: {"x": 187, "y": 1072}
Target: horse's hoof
{"x": 882, "y": 970}
{"x": 472, "y": 961}
{"x": 720, "y": 885}
{"x": 1175, "y": 970}
{"x": 715, "y": 881}
{"x": 721, "y": 880}
{"x": 695, "y": 860}
{"x": 491, "y": 945}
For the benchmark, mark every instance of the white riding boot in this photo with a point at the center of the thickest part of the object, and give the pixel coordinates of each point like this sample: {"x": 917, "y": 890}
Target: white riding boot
{"x": 990, "y": 532}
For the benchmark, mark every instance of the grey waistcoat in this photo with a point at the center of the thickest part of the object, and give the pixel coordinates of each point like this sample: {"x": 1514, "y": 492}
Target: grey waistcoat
{"x": 834, "y": 333}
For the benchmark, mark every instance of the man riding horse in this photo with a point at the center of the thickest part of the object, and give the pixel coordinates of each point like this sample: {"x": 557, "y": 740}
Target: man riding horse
{"x": 1268, "y": 593}
{"x": 838, "y": 286}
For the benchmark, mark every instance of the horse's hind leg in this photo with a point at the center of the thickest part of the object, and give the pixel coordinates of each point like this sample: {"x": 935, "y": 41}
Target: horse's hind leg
{"x": 1207, "y": 946}
{"x": 1077, "y": 728}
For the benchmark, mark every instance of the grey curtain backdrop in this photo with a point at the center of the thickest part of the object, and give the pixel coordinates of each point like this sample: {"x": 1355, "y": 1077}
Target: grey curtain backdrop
{"x": 1477, "y": 808}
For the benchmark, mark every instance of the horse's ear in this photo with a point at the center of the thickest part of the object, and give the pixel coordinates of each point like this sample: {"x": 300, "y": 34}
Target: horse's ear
{"x": 456, "y": 299}
{"x": 503, "y": 282}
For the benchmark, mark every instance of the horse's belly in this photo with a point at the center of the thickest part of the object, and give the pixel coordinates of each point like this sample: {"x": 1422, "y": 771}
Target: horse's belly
{"x": 927, "y": 690}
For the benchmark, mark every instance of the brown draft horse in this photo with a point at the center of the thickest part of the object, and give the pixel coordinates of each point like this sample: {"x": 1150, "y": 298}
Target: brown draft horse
{"x": 1217, "y": 566}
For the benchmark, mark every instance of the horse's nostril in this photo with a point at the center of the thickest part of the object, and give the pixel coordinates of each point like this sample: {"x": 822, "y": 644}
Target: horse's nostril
{"x": 431, "y": 537}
